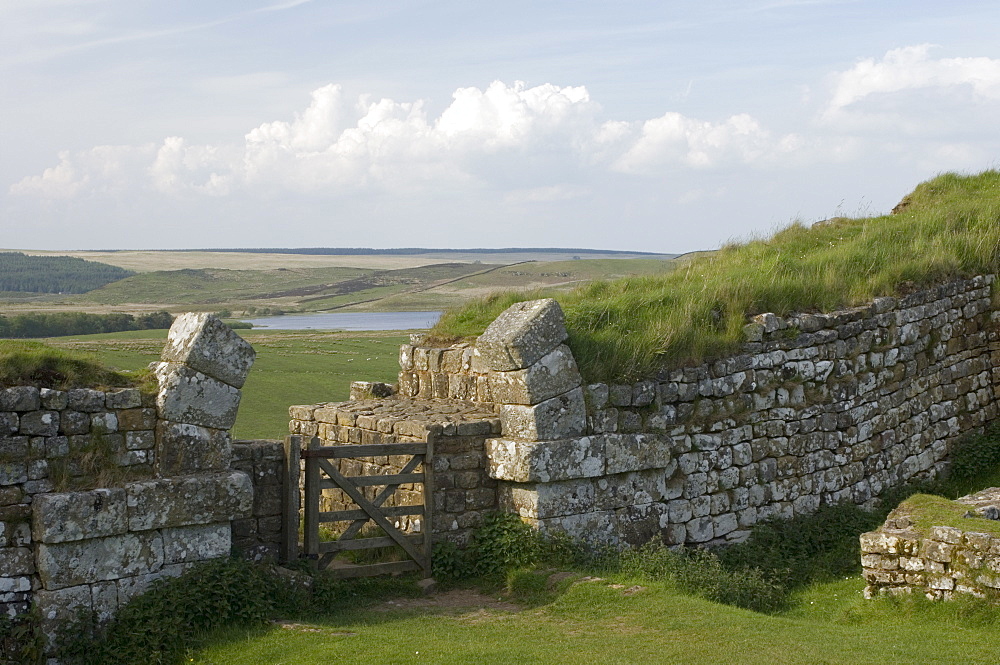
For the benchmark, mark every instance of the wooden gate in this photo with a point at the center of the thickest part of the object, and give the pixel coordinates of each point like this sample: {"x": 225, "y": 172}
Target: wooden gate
{"x": 322, "y": 473}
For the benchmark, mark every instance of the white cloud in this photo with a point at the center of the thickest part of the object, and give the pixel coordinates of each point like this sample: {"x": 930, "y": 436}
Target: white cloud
{"x": 513, "y": 138}
{"x": 912, "y": 68}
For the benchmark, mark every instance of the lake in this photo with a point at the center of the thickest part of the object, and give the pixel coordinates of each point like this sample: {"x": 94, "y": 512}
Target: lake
{"x": 348, "y": 321}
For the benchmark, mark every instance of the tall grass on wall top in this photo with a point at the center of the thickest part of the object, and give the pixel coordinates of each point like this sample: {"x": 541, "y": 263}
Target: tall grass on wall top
{"x": 626, "y": 329}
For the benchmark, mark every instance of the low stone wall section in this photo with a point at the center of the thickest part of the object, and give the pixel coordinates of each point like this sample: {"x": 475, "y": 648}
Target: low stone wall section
{"x": 941, "y": 562}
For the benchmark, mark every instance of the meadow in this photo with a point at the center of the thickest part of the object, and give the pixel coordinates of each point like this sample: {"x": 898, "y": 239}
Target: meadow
{"x": 292, "y": 367}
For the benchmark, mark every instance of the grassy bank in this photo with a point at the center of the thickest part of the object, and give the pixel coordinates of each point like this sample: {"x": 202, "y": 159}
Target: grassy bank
{"x": 947, "y": 227}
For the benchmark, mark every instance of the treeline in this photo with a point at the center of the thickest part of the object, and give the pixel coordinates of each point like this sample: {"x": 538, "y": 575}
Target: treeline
{"x": 77, "y": 323}
{"x": 55, "y": 274}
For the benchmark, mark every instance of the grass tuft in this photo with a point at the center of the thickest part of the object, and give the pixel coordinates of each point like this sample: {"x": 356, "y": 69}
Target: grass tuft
{"x": 630, "y": 328}
{"x": 36, "y": 364}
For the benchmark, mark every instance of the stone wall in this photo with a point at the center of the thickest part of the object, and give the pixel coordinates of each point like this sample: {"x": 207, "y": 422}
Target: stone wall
{"x": 816, "y": 408}
{"x": 457, "y": 432}
{"x": 905, "y": 556}
{"x": 104, "y": 492}
{"x": 259, "y": 535}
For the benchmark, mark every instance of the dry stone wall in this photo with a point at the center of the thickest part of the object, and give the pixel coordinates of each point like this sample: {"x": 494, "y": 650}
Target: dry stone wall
{"x": 816, "y": 408}
{"x": 103, "y": 492}
{"x": 939, "y": 561}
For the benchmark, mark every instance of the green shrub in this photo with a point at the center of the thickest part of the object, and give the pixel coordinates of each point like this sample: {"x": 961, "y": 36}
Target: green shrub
{"x": 805, "y": 548}
{"x": 975, "y": 460}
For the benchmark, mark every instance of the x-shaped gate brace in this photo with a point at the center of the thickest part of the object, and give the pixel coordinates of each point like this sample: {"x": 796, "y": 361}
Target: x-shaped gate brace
{"x": 417, "y": 547}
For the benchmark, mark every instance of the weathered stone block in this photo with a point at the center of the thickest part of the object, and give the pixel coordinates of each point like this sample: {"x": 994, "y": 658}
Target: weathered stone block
{"x": 68, "y": 564}
{"x": 561, "y": 417}
{"x": 596, "y": 527}
{"x": 201, "y": 499}
{"x": 182, "y": 448}
{"x": 59, "y": 608}
{"x": 130, "y": 420}
{"x": 63, "y": 517}
{"x": 8, "y": 423}
{"x": 53, "y": 400}
{"x": 541, "y": 500}
{"x": 196, "y": 543}
{"x": 126, "y": 398}
{"x": 204, "y": 343}
{"x": 86, "y": 400}
{"x": 553, "y": 374}
{"x": 636, "y": 452}
{"x": 371, "y": 390}
{"x": 16, "y": 561}
{"x": 189, "y": 396}
{"x": 20, "y": 398}
{"x": 40, "y": 423}
{"x": 545, "y": 461}
{"x": 522, "y": 334}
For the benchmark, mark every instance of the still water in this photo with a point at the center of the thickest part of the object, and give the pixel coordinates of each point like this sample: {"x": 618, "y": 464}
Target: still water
{"x": 349, "y": 321}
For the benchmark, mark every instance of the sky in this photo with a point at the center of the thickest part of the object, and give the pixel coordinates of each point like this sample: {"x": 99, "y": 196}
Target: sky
{"x": 653, "y": 126}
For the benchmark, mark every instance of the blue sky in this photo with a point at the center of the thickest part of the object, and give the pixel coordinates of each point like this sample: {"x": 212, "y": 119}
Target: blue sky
{"x": 660, "y": 126}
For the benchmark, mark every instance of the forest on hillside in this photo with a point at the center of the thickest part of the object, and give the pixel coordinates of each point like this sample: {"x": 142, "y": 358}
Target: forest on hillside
{"x": 55, "y": 274}
{"x": 79, "y": 323}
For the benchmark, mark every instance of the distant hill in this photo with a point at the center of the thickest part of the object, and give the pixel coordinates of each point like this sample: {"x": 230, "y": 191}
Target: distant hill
{"x": 55, "y": 274}
{"x": 410, "y": 251}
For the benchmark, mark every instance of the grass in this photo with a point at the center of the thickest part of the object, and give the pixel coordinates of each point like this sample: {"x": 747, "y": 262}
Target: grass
{"x": 24, "y": 362}
{"x": 594, "y": 622}
{"x": 630, "y": 328}
{"x": 291, "y": 368}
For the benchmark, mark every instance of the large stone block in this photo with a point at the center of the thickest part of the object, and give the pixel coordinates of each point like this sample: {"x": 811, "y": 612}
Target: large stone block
{"x": 196, "y": 543}
{"x": 545, "y": 461}
{"x": 189, "y": 396}
{"x": 203, "y": 342}
{"x": 58, "y": 609}
{"x": 599, "y": 528}
{"x": 522, "y": 334}
{"x": 64, "y": 517}
{"x": 542, "y": 500}
{"x": 182, "y": 448}
{"x": 636, "y": 452}
{"x": 77, "y": 562}
{"x": 553, "y": 374}
{"x": 561, "y": 417}
{"x": 202, "y": 499}
{"x": 20, "y": 398}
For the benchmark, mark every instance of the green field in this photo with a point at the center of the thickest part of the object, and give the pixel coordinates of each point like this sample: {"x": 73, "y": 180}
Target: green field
{"x": 594, "y": 622}
{"x": 291, "y": 368}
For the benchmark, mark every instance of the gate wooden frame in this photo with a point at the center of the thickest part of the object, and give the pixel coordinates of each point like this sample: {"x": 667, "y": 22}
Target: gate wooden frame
{"x": 318, "y": 464}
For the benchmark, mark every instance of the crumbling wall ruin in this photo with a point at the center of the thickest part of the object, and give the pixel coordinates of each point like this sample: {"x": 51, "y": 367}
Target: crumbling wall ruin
{"x": 103, "y": 492}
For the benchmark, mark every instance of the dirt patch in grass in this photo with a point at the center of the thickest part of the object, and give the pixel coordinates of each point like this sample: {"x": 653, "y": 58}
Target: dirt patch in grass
{"x": 453, "y": 601}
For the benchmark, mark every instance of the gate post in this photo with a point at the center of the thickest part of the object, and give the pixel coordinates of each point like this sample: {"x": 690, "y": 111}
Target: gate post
{"x": 311, "y": 509}
{"x": 428, "y": 525}
{"x": 290, "y": 500}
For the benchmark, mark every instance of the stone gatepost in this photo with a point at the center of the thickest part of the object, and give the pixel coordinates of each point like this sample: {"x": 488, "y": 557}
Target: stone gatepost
{"x": 538, "y": 391}
{"x": 204, "y": 366}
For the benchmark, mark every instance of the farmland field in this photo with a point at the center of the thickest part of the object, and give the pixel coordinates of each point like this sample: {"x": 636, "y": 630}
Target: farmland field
{"x": 291, "y": 368}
